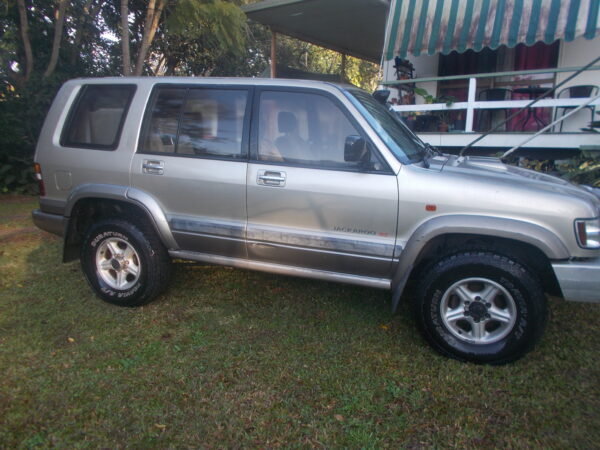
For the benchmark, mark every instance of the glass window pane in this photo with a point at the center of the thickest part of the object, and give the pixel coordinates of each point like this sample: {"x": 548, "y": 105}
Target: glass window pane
{"x": 161, "y": 131}
{"x": 212, "y": 123}
{"x": 97, "y": 120}
{"x": 301, "y": 128}
{"x": 407, "y": 147}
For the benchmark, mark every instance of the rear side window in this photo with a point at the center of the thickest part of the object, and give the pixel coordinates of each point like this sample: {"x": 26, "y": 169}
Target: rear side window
{"x": 96, "y": 119}
{"x": 204, "y": 122}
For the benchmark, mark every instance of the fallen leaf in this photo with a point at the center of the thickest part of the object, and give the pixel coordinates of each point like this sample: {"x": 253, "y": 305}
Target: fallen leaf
{"x": 70, "y": 339}
{"x": 384, "y": 327}
{"x": 160, "y": 425}
{"x": 339, "y": 417}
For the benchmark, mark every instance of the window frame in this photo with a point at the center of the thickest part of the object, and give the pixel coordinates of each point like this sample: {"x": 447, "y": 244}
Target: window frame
{"x": 75, "y": 106}
{"x": 253, "y": 155}
{"x": 147, "y": 116}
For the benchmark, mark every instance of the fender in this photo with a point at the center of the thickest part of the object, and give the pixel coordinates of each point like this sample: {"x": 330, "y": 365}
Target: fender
{"x": 128, "y": 195}
{"x": 513, "y": 229}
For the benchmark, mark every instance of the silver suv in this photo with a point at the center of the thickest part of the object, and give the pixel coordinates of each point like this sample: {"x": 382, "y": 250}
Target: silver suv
{"x": 315, "y": 180}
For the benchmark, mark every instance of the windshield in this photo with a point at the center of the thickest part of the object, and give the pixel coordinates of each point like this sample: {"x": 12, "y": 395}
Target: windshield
{"x": 405, "y": 145}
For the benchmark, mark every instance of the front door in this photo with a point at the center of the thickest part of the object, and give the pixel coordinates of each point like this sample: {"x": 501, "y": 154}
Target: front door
{"x": 192, "y": 159}
{"x": 307, "y": 206}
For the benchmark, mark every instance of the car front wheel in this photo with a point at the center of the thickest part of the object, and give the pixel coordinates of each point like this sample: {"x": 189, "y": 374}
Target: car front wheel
{"x": 480, "y": 307}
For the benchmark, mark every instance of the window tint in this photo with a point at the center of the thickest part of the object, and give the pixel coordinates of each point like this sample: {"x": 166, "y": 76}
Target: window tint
{"x": 196, "y": 122}
{"x": 161, "y": 135}
{"x": 97, "y": 117}
{"x": 305, "y": 129}
{"x": 407, "y": 147}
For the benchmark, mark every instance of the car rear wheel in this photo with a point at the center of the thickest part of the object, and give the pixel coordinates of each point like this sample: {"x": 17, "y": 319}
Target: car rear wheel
{"x": 124, "y": 263}
{"x": 480, "y": 307}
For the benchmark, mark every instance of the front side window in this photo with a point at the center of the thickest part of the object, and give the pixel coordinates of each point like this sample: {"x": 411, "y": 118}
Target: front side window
{"x": 97, "y": 117}
{"x": 407, "y": 147}
{"x": 196, "y": 122}
{"x": 305, "y": 129}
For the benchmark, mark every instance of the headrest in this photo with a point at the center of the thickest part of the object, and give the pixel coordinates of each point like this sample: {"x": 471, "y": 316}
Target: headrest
{"x": 286, "y": 122}
{"x": 195, "y": 106}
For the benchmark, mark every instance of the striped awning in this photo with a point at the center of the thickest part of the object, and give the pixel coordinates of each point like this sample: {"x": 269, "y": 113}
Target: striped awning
{"x": 419, "y": 27}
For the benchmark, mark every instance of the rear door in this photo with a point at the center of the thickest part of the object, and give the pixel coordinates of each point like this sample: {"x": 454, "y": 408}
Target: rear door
{"x": 192, "y": 158}
{"x": 307, "y": 206}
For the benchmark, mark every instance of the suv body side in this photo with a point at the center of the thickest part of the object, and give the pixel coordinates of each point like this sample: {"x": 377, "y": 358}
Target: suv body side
{"x": 213, "y": 208}
{"x": 315, "y": 180}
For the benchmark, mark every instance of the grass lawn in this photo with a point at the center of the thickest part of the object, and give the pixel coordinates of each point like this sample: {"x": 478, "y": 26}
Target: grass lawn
{"x": 231, "y": 358}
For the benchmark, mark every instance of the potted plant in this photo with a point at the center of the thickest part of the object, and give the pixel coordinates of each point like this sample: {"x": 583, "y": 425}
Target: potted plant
{"x": 443, "y": 116}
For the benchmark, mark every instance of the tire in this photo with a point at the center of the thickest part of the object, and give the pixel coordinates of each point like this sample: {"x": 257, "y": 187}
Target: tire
{"x": 480, "y": 307}
{"x": 124, "y": 263}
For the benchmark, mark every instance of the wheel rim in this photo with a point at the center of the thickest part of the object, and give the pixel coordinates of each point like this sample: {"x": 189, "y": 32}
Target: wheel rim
{"x": 478, "y": 311}
{"x": 118, "y": 264}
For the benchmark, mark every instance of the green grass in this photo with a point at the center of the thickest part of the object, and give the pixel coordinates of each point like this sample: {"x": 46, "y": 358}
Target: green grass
{"x": 231, "y": 358}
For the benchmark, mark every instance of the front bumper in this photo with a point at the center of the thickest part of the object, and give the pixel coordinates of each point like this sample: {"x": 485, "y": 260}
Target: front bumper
{"x": 579, "y": 280}
{"x": 52, "y": 223}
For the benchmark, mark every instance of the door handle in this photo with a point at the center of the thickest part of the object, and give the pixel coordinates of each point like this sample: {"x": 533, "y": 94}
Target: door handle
{"x": 153, "y": 167}
{"x": 271, "y": 178}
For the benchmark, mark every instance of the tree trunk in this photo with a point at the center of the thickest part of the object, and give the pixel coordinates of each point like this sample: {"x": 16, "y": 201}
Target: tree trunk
{"x": 25, "y": 37}
{"x": 80, "y": 27}
{"x": 58, "y": 29}
{"x": 125, "y": 38}
{"x": 150, "y": 26}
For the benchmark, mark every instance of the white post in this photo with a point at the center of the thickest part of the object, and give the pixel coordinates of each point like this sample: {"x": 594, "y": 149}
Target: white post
{"x": 470, "y": 100}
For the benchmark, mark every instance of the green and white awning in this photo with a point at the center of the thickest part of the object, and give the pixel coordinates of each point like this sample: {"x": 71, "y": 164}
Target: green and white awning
{"x": 420, "y": 27}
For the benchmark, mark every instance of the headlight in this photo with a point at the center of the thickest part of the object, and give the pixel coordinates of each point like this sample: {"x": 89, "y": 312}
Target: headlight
{"x": 588, "y": 233}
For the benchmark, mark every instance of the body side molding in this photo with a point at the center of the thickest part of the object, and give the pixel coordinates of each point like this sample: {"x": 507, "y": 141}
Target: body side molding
{"x": 378, "y": 283}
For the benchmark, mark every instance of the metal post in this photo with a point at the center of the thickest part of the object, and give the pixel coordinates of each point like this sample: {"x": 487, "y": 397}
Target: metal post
{"x": 471, "y": 100}
{"x": 273, "y": 54}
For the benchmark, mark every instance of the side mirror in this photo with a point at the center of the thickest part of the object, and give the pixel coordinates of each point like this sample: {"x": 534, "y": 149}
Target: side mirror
{"x": 356, "y": 150}
{"x": 382, "y": 95}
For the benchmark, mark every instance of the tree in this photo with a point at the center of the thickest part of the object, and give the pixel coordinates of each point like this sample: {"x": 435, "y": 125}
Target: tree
{"x": 179, "y": 37}
{"x": 198, "y": 34}
{"x": 125, "y": 38}
{"x": 153, "y": 14}
{"x": 42, "y": 43}
{"x": 58, "y": 30}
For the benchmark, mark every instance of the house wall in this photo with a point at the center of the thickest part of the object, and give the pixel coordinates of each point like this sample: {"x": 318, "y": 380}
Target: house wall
{"x": 578, "y": 53}
{"x": 425, "y": 66}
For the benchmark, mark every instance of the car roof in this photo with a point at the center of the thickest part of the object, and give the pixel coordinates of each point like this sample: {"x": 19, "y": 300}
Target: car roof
{"x": 275, "y": 82}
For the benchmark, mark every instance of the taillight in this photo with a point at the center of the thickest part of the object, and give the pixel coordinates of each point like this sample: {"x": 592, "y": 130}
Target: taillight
{"x": 37, "y": 170}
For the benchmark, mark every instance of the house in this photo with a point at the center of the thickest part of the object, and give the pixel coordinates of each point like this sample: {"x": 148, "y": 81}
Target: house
{"x": 478, "y": 61}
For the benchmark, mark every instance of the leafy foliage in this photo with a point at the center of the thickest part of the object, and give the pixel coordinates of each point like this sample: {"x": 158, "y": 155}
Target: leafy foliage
{"x": 22, "y": 114}
{"x": 311, "y": 58}
{"x": 582, "y": 169}
{"x": 199, "y": 36}
{"x": 192, "y": 19}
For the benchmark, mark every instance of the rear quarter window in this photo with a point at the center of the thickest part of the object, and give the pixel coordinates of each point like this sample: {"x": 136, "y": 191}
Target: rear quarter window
{"x": 96, "y": 118}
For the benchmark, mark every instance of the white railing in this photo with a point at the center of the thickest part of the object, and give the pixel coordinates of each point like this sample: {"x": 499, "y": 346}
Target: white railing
{"x": 471, "y": 105}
